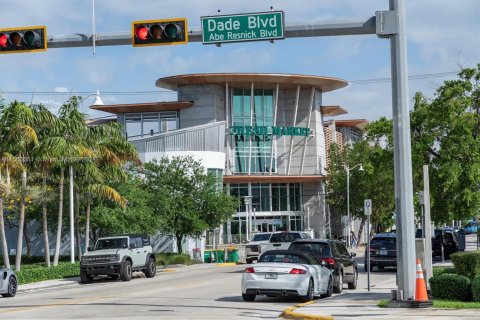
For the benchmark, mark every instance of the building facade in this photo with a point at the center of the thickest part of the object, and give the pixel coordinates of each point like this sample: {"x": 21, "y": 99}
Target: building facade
{"x": 264, "y": 133}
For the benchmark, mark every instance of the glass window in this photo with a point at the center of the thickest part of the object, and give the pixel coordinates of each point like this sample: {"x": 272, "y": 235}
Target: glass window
{"x": 283, "y": 258}
{"x": 150, "y": 123}
{"x": 133, "y": 125}
{"x": 294, "y": 197}
{"x": 279, "y": 197}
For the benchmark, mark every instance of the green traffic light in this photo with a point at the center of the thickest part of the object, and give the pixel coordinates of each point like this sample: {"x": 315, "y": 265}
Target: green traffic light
{"x": 171, "y": 31}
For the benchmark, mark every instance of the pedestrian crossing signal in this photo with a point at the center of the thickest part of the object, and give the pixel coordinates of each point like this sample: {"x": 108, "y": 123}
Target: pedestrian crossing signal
{"x": 23, "y": 39}
{"x": 159, "y": 32}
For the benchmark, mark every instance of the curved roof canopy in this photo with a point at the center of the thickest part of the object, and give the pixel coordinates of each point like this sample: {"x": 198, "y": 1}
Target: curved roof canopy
{"x": 324, "y": 84}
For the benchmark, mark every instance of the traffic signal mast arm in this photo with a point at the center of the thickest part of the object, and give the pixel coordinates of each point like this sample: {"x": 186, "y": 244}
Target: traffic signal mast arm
{"x": 357, "y": 27}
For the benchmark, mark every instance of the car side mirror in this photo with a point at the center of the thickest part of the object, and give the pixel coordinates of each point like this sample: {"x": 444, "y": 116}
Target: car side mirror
{"x": 353, "y": 254}
{"x": 90, "y": 249}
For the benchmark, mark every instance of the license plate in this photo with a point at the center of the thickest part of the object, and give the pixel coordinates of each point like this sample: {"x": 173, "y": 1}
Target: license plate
{"x": 383, "y": 252}
{"x": 271, "y": 276}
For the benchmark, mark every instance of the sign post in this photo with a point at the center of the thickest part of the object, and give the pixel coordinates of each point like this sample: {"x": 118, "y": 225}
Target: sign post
{"x": 243, "y": 27}
{"x": 368, "y": 213}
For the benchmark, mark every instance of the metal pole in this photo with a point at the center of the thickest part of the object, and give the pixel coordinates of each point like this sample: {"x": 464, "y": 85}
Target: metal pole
{"x": 254, "y": 221}
{"x": 428, "y": 225}
{"x": 368, "y": 252}
{"x": 347, "y": 237}
{"x": 72, "y": 238}
{"x": 94, "y": 33}
{"x": 402, "y": 157}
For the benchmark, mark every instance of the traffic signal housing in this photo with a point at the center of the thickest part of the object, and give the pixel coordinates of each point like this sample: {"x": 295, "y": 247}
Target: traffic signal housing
{"x": 23, "y": 39}
{"x": 159, "y": 32}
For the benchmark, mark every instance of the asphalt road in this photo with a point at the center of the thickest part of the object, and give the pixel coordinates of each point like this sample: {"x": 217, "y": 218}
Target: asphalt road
{"x": 203, "y": 291}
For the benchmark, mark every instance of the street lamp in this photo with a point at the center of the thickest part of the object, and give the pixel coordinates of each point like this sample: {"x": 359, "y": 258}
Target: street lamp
{"x": 98, "y": 102}
{"x": 349, "y": 219}
{"x": 248, "y": 202}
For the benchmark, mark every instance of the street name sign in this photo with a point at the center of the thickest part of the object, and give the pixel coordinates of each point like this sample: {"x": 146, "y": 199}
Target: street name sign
{"x": 368, "y": 207}
{"x": 243, "y": 27}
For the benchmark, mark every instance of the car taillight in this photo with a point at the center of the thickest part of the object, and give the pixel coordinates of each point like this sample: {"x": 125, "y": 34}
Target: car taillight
{"x": 249, "y": 270}
{"x": 329, "y": 260}
{"x": 297, "y": 271}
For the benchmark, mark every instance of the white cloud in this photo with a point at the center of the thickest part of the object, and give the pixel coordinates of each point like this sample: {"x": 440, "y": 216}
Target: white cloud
{"x": 61, "y": 89}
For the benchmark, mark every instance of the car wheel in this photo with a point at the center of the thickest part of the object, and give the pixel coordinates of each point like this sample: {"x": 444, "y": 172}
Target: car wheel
{"x": 309, "y": 295}
{"x": 85, "y": 277}
{"x": 12, "y": 287}
{"x": 126, "y": 271}
{"x": 339, "y": 287}
{"x": 248, "y": 297}
{"x": 353, "y": 284}
{"x": 150, "y": 268}
{"x": 329, "y": 289}
{"x": 249, "y": 261}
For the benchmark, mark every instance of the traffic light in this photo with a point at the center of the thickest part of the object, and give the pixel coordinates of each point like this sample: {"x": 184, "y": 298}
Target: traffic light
{"x": 24, "y": 39}
{"x": 159, "y": 32}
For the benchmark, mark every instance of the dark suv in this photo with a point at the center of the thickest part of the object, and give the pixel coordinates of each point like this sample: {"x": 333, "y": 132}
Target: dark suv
{"x": 446, "y": 237}
{"x": 336, "y": 257}
{"x": 383, "y": 251}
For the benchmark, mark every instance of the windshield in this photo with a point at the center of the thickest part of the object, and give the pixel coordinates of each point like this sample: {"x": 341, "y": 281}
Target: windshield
{"x": 284, "y": 237}
{"x": 283, "y": 258}
{"x": 261, "y": 237}
{"x": 319, "y": 248}
{"x": 116, "y": 243}
{"x": 384, "y": 242}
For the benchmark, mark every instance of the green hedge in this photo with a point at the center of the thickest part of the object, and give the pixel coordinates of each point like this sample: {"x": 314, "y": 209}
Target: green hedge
{"x": 173, "y": 258}
{"x": 476, "y": 289}
{"x": 467, "y": 263}
{"x": 450, "y": 287}
{"x": 39, "y": 272}
{"x": 442, "y": 270}
{"x": 34, "y": 259}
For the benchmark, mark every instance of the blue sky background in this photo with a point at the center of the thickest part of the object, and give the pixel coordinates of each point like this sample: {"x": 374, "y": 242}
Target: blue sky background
{"x": 442, "y": 35}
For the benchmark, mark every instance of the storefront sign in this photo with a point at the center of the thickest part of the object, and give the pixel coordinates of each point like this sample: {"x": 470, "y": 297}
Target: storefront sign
{"x": 265, "y": 131}
{"x": 243, "y": 27}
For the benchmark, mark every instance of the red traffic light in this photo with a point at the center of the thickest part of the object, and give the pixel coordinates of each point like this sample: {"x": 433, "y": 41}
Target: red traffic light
{"x": 23, "y": 39}
{"x": 159, "y": 32}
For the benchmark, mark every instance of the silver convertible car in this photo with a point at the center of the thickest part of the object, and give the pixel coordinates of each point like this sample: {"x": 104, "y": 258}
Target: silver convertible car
{"x": 287, "y": 273}
{"x": 8, "y": 283}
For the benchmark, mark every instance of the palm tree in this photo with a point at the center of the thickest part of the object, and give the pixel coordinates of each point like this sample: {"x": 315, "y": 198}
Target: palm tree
{"x": 17, "y": 124}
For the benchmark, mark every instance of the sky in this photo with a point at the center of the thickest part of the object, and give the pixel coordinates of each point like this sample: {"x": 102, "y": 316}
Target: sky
{"x": 442, "y": 37}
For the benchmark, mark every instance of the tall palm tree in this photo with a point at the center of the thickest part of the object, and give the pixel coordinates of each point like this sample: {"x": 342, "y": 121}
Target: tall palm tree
{"x": 17, "y": 125}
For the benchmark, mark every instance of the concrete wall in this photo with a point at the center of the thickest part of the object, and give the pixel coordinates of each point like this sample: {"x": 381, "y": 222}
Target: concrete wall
{"x": 209, "y": 104}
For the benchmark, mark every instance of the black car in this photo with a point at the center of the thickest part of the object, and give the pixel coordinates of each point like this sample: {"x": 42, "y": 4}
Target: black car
{"x": 336, "y": 257}
{"x": 383, "y": 251}
{"x": 446, "y": 237}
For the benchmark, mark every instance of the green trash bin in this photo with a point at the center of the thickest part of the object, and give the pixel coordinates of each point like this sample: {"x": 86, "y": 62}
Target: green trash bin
{"x": 220, "y": 256}
{"x": 233, "y": 256}
{"x": 206, "y": 256}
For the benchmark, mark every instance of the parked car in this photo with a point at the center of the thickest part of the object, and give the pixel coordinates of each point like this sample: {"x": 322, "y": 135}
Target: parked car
{"x": 118, "y": 257}
{"x": 281, "y": 240}
{"x": 383, "y": 251}
{"x": 337, "y": 259}
{"x": 471, "y": 227}
{"x": 254, "y": 247}
{"x": 8, "y": 283}
{"x": 446, "y": 237}
{"x": 287, "y": 273}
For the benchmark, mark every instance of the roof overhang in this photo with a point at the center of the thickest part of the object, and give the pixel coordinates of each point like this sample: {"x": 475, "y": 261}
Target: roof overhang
{"x": 324, "y": 84}
{"x": 357, "y": 123}
{"x": 272, "y": 178}
{"x": 332, "y": 111}
{"x": 144, "y": 107}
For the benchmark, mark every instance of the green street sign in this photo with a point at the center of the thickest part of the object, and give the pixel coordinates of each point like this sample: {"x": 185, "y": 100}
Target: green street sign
{"x": 243, "y": 27}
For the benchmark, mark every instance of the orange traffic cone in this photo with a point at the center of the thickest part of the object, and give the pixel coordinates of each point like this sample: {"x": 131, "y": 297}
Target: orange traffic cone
{"x": 421, "y": 288}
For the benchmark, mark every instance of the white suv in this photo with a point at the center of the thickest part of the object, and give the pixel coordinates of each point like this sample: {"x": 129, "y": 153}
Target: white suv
{"x": 254, "y": 247}
{"x": 282, "y": 240}
{"x": 118, "y": 257}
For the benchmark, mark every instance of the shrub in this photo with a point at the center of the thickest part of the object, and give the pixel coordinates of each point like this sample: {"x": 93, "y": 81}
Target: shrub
{"x": 39, "y": 272}
{"x": 450, "y": 287}
{"x": 467, "y": 263}
{"x": 179, "y": 259}
{"x": 442, "y": 270}
{"x": 476, "y": 288}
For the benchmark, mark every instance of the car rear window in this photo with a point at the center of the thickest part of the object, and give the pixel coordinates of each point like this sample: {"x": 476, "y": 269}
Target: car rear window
{"x": 283, "y": 258}
{"x": 383, "y": 241}
{"x": 319, "y": 248}
{"x": 261, "y": 237}
{"x": 284, "y": 237}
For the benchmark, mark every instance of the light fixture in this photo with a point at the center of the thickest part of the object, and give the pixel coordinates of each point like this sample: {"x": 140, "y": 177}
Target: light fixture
{"x": 98, "y": 101}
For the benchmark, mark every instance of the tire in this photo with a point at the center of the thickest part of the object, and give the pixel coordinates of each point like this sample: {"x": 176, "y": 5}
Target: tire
{"x": 85, "y": 278}
{"x": 12, "y": 287}
{"x": 339, "y": 287}
{"x": 309, "y": 295}
{"x": 248, "y": 297}
{"x": 329, "y": 289}
{"x": 249, "y": 261}
{"x": 353, "y": 284}
{"x": 126, "y": 271}
{"x": 150, "y": 268}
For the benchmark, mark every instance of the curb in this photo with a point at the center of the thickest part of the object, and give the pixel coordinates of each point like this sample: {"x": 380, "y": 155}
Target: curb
{"x": 289, "y": 314}
{"x": 75, "y": 281}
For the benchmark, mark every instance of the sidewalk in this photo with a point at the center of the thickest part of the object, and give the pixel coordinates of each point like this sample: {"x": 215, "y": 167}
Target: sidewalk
{"x": 48, "y": 284}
